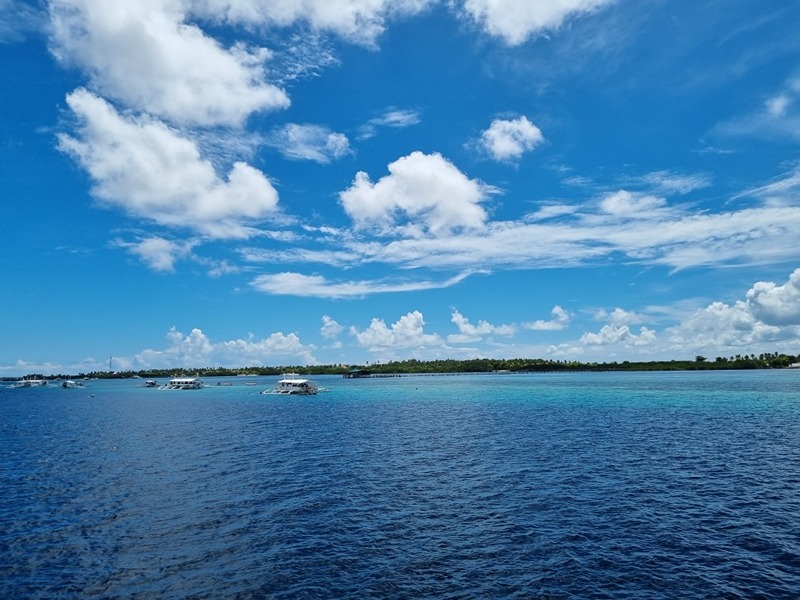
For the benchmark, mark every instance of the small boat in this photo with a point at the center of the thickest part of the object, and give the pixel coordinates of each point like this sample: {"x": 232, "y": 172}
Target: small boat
{"x": 291, "y": 384}
{"x": 70, "y": 384}
{"x": 183, "y": 383}
{"x": 27, "y": 382}
{"x": 151, "y": 383}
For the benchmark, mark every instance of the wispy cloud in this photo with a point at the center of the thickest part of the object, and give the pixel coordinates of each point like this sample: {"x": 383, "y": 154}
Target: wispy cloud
{"x": 397, "y": 118}
{"x": 18, "y": 20}
{"x": 778, "y": 117}
{"x": 297, "y": 284}
{"x": 157, "y": 253}
{"x": 309, "y": 142}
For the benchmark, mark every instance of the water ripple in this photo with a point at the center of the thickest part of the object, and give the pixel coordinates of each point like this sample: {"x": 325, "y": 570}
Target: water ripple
{"x": 649, "y": 486}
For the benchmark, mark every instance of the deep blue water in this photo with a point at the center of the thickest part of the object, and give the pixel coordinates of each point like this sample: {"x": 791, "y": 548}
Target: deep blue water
{"x": 654, "y": 485}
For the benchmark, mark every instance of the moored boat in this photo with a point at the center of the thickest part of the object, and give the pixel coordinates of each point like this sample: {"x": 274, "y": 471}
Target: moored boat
{"x": 183, "y": 383}
{"x": 70, "y": 384}
{"x": 291, "y": 384}
{"x": 29, "y": 382}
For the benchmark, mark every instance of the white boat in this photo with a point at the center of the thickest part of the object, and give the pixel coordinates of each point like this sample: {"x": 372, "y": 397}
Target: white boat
{"x": 183, "y": 383}
{"x": 70, "y": 384}
{"x": 293, "y": 385}
{"x": 29, "y": 382}
{"x": 150, "y": 383}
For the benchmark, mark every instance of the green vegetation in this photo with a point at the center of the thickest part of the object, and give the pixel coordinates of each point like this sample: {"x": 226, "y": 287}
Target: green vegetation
{"x": 478, "y": 365}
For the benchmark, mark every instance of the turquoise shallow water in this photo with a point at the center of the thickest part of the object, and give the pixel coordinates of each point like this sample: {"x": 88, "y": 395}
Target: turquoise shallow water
{"x": 601, "y": 485}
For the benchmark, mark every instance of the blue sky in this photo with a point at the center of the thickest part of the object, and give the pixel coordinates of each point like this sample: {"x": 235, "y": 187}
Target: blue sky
{"x": 191, "y": 183}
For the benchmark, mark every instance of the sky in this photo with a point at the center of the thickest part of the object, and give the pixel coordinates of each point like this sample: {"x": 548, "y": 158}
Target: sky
{"x": 199, "y": 183}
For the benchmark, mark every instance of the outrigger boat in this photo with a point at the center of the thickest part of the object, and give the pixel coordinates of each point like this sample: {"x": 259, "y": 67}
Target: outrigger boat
{"x": 70, "y": 384}
{"x": 183, "y": 383}
{"x": 291, "y": 384}
{"x": 29, "y": 382}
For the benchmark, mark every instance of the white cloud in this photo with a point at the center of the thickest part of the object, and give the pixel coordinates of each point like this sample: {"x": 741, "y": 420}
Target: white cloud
{"x": 467, "y": 332}
{"x": 147, "y": 56}
{"x": 559, "y": 321}
{"x": 666, "y": 182}
{"x": 783, "y": 191}
{"x": 507, "y": 140}
{"x": 297, "y": 284}
{"x": 566, "y": 349}
{"x": 631, "y": 205}
{"x": 398, "y": 118}
{"x": 776, "y": 304}
{"x": 197, "y": 349}
{"x": 619, "y": 334}
{"x": 642, "y": 230}
{"x": 309, "y": 142}
{"x": 428, "y": 189}
{"x": 395, "y": 117}
{"x": 518, "y": 20}
{"x": 330, "y": 328}
{"x": 358, "y": 21}
{"x": 152, "y": 172}
{"x": 720, "y": 326}
{"x": 778, "y": 117}
{"x": 769, "y": 313}
{"x": 407, "y": 332}
{"x": 618, "y": 316}
{"x": 18, "y": 19}
{"x": 157, "y": 253}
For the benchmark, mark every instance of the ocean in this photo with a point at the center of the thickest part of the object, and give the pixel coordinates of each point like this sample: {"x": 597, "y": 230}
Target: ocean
{"x": 543, "y": 486}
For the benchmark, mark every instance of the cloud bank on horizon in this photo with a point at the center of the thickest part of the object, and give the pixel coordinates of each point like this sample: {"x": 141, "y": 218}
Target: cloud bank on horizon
{"x": 303, "y": 149}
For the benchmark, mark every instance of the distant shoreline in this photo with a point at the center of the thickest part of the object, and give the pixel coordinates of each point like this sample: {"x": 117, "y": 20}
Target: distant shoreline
{"x": 452, "y": 367}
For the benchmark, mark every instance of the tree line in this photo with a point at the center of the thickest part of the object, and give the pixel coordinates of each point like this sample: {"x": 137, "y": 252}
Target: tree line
{"x": 478, "y": 365}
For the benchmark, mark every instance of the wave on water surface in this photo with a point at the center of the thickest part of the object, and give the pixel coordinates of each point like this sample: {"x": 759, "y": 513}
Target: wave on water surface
{"x": 656, "y": 485}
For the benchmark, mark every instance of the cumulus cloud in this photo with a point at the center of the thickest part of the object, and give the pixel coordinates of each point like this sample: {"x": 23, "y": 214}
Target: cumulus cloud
{"x": 152, "y": 172}
{"x": 358, "y": 21}
{"x": 297, "y": 284}
{"x": 619, "y": 334}
{"x": 619, "y": 316}
{"x": 467, "y": 332}
{"x": 197, "y": 349}
{"x": 515, "y": 21}
{"x": 407, "y": 332}
{"x": 309, "y": 142}
{"x": 146, "y": 55}
{"x": 434, "y": 196}
{"x": 330, "y": 327}
{"x": 559, "y": 321}
{"x": 720, "y": 326}
{"x": 776, "y": 304}
{"x": 768, "y": 313}
{"x": 507, "y": 140}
